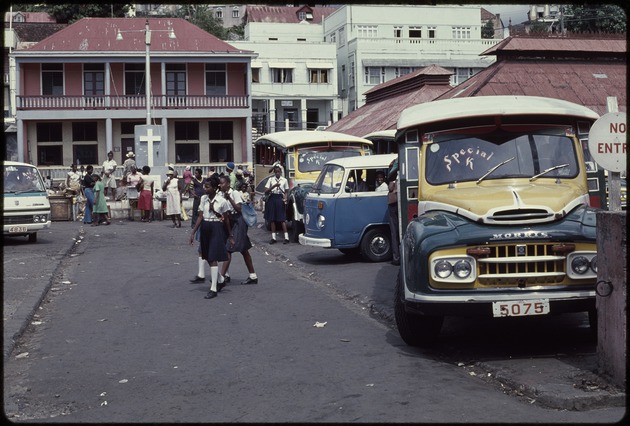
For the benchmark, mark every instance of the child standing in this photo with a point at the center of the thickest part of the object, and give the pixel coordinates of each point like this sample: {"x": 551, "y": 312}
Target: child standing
{"x": 99, "y": 210}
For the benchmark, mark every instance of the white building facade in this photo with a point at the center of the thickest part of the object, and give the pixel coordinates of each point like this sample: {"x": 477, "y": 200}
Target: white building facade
{"x": 294, "y": 77}
{"x": 377, "y": 43}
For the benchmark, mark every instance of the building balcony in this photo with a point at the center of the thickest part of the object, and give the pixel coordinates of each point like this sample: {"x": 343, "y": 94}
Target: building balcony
{"x": 130, "y": 102}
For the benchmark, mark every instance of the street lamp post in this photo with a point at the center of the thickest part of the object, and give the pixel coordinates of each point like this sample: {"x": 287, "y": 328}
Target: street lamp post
{"x": 147, "y": 80}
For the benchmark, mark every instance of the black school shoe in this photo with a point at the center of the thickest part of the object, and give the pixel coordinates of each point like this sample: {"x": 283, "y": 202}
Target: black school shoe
{"x": 197, "y": 279}
{"x": 211, "y": 295}
{"x": 250, "y": 281}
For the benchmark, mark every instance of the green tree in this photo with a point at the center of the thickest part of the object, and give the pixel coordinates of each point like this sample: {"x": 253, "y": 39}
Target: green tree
{"x": 604, "y": 18}
{"x": 68, "y": 13}
{"x": 487, "y": 31}
{"x": 203, "y": 16}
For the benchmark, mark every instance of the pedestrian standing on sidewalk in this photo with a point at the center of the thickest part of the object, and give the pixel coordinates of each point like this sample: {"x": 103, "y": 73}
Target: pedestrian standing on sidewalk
{"x": 88, "y": 185}
{"x": 275, "y": 208}
{"x": 213, "y": 222}
{"x": 100, "y": 211}
{"x": 241, "y": 243}
{"x": 107, "y": 173}
{"x": 145, "y": 198}
{"x": 173, "y": 198}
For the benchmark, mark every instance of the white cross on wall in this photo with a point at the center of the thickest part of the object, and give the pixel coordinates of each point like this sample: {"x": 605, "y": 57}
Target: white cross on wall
{"x": 149, "y": 139}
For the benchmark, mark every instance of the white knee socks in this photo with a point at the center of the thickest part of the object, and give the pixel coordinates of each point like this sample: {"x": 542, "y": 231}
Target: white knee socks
{"x": 201, "y": 272}
{"x": 214, "y": 273}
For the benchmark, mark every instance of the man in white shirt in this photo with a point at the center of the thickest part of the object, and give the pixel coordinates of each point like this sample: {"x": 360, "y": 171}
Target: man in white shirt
{"x": 109, "y": 181}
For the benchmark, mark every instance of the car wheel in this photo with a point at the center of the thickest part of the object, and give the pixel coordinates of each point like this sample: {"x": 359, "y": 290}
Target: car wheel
{"x": 32, "y": 238}
{"x": 297, "y": 228}
{"x": 376, "y": 245}
{"x": 415, "y": 330}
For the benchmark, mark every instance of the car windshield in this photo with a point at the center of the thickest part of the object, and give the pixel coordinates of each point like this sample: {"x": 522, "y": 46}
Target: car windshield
{"x": 312, "y": 160}
{"x": 19, "y": 179}
{"x": 454, "y": 158}
{"x": 329, "y": 180}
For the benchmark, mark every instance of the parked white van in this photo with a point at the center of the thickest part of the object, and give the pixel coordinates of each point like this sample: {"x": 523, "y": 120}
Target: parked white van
{"x": 25, "y": 205}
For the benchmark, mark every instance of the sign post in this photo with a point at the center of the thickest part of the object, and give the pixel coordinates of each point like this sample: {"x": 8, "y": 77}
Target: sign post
{"x": 607, "y": 145}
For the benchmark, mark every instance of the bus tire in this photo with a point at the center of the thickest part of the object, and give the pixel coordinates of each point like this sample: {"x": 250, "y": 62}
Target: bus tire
{"x": 376, "y": 245}
{"x": 415, "y": 330}
{"x": 32, "y": 238}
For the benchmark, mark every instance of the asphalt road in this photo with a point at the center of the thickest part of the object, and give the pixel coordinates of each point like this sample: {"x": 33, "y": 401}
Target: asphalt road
{"x": 121, "y": 336}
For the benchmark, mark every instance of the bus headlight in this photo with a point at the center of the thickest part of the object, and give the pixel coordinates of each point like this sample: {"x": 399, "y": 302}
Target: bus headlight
{"x": 453, "y": 269}
{"x": 463, "y": 268}
{"x": 443, "y": 269}
{"x": 582, "y": 265}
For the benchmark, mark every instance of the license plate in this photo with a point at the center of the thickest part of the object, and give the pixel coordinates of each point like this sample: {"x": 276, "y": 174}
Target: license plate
{"x": 16, "y": 229}
{"x": 520, "y": 308}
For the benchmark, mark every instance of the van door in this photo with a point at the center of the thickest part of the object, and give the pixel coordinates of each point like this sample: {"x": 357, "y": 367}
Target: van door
{"x": 355, "y": 211}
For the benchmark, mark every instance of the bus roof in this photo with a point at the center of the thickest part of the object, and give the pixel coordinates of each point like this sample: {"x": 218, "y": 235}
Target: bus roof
{"x": 447, "y": 109}
{"x": 391, "y": 133}
{"x": 292, "y": 138}
{"x": 17, "y": 163}
{"x": 380, "y": 160}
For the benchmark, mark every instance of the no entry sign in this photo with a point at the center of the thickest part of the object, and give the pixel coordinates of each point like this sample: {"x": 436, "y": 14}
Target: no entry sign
{"x": 607, "y": 141}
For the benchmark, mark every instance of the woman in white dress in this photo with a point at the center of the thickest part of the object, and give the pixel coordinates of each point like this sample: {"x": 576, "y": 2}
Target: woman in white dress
{"x": 173, "y": 198}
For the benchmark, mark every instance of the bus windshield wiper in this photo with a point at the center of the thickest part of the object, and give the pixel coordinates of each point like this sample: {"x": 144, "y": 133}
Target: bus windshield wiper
{"x": 493, "y": 169}
{"x": 559, "y": 166}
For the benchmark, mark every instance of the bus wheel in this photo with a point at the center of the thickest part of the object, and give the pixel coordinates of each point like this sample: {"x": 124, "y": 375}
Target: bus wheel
{"x": 297, "y": 228}
{"x": 376, "y": 246}
{"x": 415, "y": 330}
{"x": 32, "y": 238}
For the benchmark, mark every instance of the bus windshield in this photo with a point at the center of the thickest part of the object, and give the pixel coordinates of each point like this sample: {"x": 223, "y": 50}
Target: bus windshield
{"x": 454, "y": 158}
{"x": 18, "y": 179}
{"x": 313, "y": 159}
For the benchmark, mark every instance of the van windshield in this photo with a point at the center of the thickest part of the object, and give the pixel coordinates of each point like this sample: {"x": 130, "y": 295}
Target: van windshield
{"x": 18, "y": 179}
{"x": 460, "y": 158}
{"x": 329, "y": 180}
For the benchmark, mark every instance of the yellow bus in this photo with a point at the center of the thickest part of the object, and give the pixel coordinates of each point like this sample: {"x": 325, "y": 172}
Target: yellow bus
{"x": 302, "y": 155}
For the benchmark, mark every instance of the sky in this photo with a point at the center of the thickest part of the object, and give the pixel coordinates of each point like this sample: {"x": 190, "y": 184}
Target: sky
{"x": 518, "y": 12}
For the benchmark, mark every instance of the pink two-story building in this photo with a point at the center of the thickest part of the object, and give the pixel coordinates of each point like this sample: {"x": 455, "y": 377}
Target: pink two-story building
{"x": 81, "y": 92}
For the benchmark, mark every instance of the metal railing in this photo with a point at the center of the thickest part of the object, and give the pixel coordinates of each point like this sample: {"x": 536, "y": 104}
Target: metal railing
{"x": 130, "y": 102}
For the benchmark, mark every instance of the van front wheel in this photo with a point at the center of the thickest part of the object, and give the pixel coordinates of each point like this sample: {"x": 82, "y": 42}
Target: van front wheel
{"x": 376, "y": 245}
{"x": 32, "y": 238}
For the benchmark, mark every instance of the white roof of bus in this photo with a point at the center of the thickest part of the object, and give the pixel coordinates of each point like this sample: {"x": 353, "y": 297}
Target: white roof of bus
{"x": 381, "y": 160}
{"x": 445, "y": 109}
{"x": 17, "y": 163}
{"x": 291, "y": 138}
{"x": 381, "y": 134}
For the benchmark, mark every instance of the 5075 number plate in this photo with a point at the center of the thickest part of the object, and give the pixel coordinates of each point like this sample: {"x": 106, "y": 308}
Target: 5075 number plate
{"x": 520, "y": 308}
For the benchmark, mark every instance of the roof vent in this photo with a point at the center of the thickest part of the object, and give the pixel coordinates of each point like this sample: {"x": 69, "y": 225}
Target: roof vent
{"x": 600, "y": 76}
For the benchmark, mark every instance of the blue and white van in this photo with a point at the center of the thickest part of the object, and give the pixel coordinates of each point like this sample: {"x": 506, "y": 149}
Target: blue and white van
{"x": 25, "y": 206}
{"x": 344, "y": 210}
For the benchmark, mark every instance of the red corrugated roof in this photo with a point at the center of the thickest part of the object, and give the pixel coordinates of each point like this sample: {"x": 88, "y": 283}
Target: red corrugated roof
{"x": 589, "y": 45}
{"x": 99, "y": 35}
{"x": 383, "y": 115}
{"x": 585, "y": 82}
{"x": 285, "y": 14}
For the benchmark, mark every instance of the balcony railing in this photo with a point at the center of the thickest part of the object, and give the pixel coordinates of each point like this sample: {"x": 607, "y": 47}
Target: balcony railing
{"x": 129, "y": 102}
